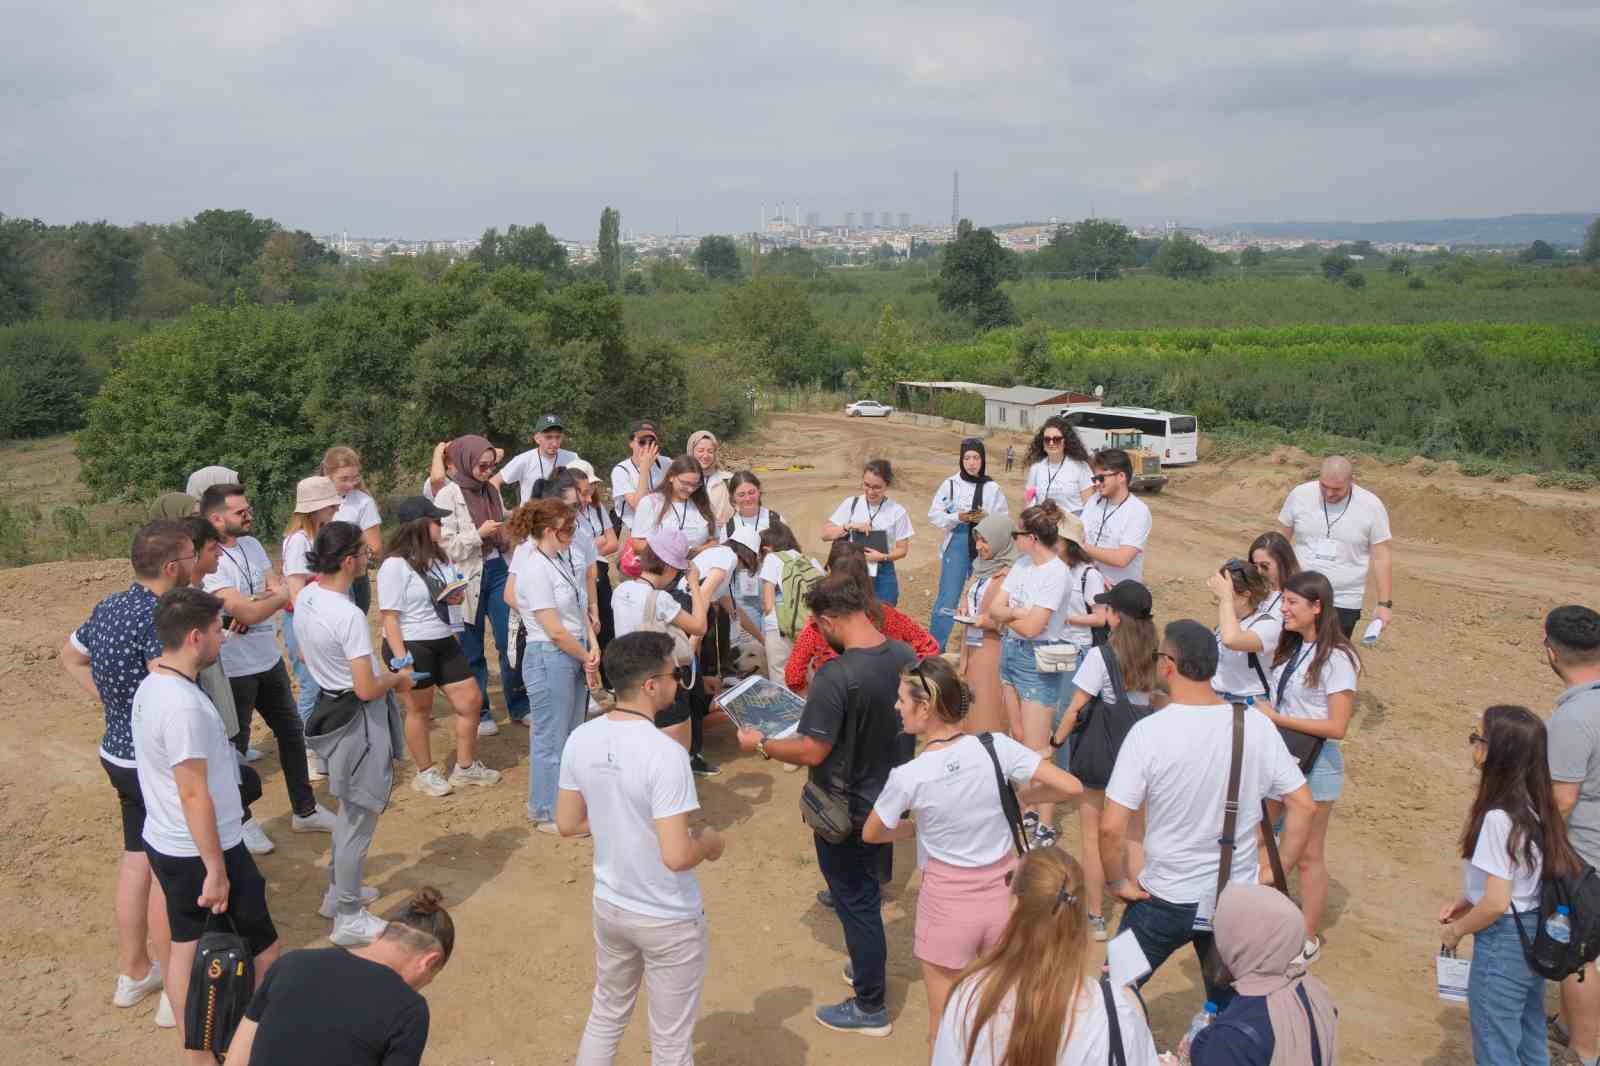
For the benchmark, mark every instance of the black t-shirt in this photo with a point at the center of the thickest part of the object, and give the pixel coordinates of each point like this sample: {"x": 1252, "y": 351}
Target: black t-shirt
{"x": 875, "y": 736}
{"x": 327, "y": 1007}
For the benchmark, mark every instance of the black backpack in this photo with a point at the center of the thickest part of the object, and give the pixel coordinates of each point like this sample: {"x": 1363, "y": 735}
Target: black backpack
{"x": 221, "y": 982}
{"x": 1550, "y": 958}
{"x": 1101, "y": 728}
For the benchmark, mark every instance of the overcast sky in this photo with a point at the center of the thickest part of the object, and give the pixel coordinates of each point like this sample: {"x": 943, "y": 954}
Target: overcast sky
{"x": 427, "y": 119}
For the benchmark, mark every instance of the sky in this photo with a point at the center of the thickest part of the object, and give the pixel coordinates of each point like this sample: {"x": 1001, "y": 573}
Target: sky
{"x": 436, "y": 120}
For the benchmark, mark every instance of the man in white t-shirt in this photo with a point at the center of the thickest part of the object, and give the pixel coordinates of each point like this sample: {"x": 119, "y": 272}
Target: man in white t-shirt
{"x": 538, "y": 463}
{"x": 1340, "y": 530}
{"x": 630, "y": 785}
{"x": 1116, "y": 523}
{"x": 189, "y": 781}
{"x": 252, "y": 594}
{"x": 638, "y": 475}
{"x": 1174, "y": 765}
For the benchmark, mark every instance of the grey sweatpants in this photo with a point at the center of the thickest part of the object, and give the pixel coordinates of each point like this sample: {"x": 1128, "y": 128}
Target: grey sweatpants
{"x": 669, "y": 957}
{"x": 353, "y": 831}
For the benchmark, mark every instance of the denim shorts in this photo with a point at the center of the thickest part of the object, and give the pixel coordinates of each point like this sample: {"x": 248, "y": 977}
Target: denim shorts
{"x": 1019, "y": 670}
{"x": 1327, "y": 774}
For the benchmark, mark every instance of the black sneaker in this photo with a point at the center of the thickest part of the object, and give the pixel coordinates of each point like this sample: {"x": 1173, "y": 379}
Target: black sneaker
{"x": 701, "y": 768}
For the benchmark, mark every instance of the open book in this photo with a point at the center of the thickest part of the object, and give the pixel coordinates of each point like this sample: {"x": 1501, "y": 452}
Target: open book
{"x": 759, "y": 704}
{"x": 450, "y": 589}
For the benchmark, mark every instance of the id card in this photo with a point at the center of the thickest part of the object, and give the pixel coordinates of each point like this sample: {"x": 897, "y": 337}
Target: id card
{"x": 1453, "y": 974}
{"x": 1325, "y": 549}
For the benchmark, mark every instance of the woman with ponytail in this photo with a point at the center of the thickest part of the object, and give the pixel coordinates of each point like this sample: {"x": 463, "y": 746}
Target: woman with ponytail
{"x": 967, "y": 838}
{"x": 1029, "y": 1001}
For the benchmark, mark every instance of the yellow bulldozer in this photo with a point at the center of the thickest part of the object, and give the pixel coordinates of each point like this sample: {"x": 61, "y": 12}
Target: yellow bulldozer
{"x": 1147, "y": 475}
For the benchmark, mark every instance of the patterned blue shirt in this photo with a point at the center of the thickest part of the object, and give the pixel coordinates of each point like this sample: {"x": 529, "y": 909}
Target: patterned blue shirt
{"x": 120, "y": 640}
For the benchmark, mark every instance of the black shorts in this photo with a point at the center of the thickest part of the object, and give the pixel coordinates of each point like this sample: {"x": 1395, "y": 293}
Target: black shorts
{"x": 125, "y": 779}
{"x": 681, "y": 705}
{"x": 1349, "y": 617}
{"x": 181, "y": 880}
{"x": 441, "y": 659}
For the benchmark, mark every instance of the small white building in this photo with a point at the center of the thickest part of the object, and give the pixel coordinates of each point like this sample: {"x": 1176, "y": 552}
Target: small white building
{"x": 1024, "y": 408}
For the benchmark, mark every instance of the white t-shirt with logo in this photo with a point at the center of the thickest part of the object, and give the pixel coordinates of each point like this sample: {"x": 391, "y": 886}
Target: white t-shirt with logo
{"x": 631, "y": 774}
{"x": 1089, "y": 1045}
{"x": 628, "y": 602}
{"x": 1064, "y": 483}
{"x": 1490, "y": 858}
{"x": 951, "y": 789}
{"x": 758, "y": 524}
{"x": 1304, "y": 700}
{"x": 1093, "y": 678}
{"x": 331, "y": 631}
{"x": 243, "y": 566}
{"x": 888, "y": 516}
{"x": 296, "y": 546}
{"x": 546, "y": 583}
{"x": 1118, "y": 525}
{"x": 1336, "y": 539}
{"x": 1031, "y": 585}
{"x": 402, "y": 589}
{"x": 625, "y": 480}
{"x": 955, "y": 497}
{"x": 174, "y": 721}
{"x": 655, "y": 513}
{"x": 530, "y": 466}
{"x": 1234, "y": 674}
{"x": 1175, "y": 765}
{"x": 359, "y": 508}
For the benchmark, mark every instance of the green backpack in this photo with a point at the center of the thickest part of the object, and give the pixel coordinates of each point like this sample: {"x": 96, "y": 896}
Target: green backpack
{"x": 799, "y": 576}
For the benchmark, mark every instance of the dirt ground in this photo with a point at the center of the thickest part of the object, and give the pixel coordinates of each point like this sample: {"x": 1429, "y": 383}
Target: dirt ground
{"x": 1477, "y": 565}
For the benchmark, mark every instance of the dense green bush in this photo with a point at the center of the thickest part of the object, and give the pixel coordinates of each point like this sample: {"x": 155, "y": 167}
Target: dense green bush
{"x": 49, "y": 369}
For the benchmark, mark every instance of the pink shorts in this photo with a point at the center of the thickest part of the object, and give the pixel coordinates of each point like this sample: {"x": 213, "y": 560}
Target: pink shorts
{"x": 961, "y": 911}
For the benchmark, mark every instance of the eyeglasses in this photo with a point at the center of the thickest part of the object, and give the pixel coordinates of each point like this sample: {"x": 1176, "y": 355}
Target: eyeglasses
{"x": 1475, "y": 738}
{"x": 183, "y": 558}
{"x": 1015, "y": 533}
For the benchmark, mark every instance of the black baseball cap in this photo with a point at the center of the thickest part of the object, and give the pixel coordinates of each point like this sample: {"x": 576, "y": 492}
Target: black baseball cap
{"x": 414, "y": 507}
{"x": 643, "y": 425}
{"x": 1129, "y": 598}
{"x": 549, "y": 422}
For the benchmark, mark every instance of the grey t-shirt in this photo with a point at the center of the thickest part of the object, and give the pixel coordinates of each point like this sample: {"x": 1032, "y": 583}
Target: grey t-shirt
{"x": 1574, "y": 732}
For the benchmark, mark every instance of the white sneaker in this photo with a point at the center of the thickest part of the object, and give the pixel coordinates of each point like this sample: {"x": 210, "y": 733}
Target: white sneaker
{"x": 357, "y": 930}
{"x": 594, "y": 707}
{"x": 330, "y": 901}
{"x": 476, "y": 774}
{"x": 164, "y": 1015}
{"x": 1311, "y": 951}
{"x": 130, "y": 992}
{"x": 256, "y": 840}
{"x": 318, "y": 821}
{"x": 316, "y": 769}
{"x": 431, "y": 782}
{"x": 487, "y": 727}
{"x": 549, "y": 828}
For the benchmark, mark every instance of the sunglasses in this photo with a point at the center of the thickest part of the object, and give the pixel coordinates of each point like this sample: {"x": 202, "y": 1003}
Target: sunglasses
{"x": 927, "y": 693}
{"x": 1475, "y": 737}
{"x": 1055, "y": 438}
{"x": 1097, "y": 478}
{"x": 644, "y": 440}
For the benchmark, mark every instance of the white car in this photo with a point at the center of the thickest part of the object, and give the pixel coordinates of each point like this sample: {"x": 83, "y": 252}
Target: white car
{"x": 868, "y": 409}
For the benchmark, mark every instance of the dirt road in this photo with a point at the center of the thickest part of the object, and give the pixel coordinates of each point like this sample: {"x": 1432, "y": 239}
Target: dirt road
{"x": 1477, "y": 565}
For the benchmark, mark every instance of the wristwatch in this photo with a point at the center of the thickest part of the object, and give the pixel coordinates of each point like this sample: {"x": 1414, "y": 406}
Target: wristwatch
{"x": 1386, "y": 603}
{"x": 1055, "y": 745}
{"x": 761, "y": 749}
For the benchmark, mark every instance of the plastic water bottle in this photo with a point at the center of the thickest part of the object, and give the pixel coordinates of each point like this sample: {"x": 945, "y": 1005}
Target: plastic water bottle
{"x": 1201, "y": 1019}
{"x": 1558, "y": 926}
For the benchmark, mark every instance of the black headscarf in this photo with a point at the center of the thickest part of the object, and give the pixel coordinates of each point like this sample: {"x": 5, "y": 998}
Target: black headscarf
{"x": 973, "y": 444}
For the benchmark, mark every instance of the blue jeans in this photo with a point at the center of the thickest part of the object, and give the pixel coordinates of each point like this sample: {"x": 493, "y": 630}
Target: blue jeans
{"x": 558, "y": 696}
{"x": 851, "y": 870}
{"x": 886, "y": 586}
{"x": 1327, "y": 774}
{"x": 1162, "y": 928}
{"x": 1505, "y": 1000}
{"x": 492, "y": 605}
{"x": 954, "y": 567}
{"x": 1020, "y": 670}
{"x": 306, "y": 690}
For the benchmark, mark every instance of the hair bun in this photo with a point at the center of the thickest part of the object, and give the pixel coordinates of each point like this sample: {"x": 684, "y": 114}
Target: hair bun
{"x": 426, "y": 900}
{"x": 1051, "y": 509}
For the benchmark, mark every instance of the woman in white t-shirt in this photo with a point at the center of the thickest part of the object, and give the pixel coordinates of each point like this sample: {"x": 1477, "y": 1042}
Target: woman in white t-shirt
{"x": 1058, "y": 467}
{"x": 1043, "y": 955}
{"x": 1032, "y": 613}
{"x": 703, "y": 450}
{"x": 719, "y": 567}
{"x": 646, "y": 602}
{"x": 416, "y": 625}
{"x": 1515, "y": 836}
{"x": 1274, "y": 556}
{"x": 315, "y": 501}
{"x": 965, "y": 842}
{"x": 561, "y": 661}
{"x": 1314, "y": 673}
{"x": 873, "y": 512}
{"x": 749, "y": 510}
{"x": 342, "y": 465}
{"x": 1247, "y": 631}
{"x": 679, "y": 501}
{"x": 779, "y": 549}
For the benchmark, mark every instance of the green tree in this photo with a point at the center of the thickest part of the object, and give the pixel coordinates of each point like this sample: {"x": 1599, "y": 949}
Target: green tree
{"x": 770, "y": 319}
{"x": 791, "y": 262}
{"x": 1032, "y": 362}
{"x": 1354, "y": 279}
{"x": 105, "y": 270}
{"x": 969, "y": 279}
{"x": 488, "y": 250}
{"x": 1537, "y": 252}
{"x": 585, "y": 311}
{"x": 889, "y": 357}
{"x": 633, "y": 283}
{"x": 1399, "y": 265}
{"x": 717, "y": 257}
{"x": 1591, "y": 243}
{"x": 18, "y": 294}
{"x": 1185, "y": 258}
{"x": 45, "y": 377}
{"x": 610, "y": 248}
{"x": 1336, "y": 264}
{"x": 1094, "y": 248}
{"x": 671, "y": 275}
{"x": 1252, "y": 256}
{"x": 216, "y": 248}
{"x": 534, "y": 248}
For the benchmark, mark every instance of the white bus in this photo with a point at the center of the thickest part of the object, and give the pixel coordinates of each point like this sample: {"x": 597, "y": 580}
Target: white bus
{"x": 1173, "y": 437}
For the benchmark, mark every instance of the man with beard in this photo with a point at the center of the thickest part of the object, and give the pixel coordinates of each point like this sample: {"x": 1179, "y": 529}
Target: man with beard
{"x": 849, "y": 735}
{"x": 252, "y": 594}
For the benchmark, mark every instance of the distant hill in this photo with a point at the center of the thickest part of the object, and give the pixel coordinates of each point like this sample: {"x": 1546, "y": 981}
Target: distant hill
{"x": 1507, "y": 230}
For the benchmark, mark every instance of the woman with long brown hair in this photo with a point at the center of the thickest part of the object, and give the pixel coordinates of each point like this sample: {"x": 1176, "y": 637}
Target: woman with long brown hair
{"x": 678, "y": 501}
{"x": 1514, "y": 838}
{"x": 1029, "y": 1001}
{"x": 1274, "y": 556}
{"x": 1314, "y": 674}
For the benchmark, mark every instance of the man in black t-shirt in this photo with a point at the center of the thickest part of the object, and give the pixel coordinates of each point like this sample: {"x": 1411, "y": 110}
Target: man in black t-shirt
{"x": 332, "y": 1007}
{"x": 849, "y": 736}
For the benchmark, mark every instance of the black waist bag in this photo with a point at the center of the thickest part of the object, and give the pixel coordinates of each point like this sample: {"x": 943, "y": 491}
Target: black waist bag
{"x": 1098, "y": 735}
{"x": 221, "y": 983}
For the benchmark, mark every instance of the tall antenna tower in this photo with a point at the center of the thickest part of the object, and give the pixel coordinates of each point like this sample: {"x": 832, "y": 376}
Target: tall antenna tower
{"x": 955, "y": 202}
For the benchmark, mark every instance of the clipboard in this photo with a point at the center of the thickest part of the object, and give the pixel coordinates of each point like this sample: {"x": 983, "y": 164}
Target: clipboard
{"x": 877, "y": 540}
{"x": 763, "y": 705}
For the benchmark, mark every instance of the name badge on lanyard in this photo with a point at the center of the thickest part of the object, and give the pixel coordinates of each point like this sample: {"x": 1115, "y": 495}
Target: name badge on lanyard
{"x": 1325, "y": 549}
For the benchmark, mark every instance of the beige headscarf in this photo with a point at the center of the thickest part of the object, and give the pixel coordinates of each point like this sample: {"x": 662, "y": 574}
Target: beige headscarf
{"x": 1259, "y": 934}
{"x": 716, "y": 481}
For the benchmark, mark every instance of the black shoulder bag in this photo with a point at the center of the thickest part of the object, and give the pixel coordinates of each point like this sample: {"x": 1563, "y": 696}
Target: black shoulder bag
{"x": 1303, "y": 746}
{"x": 1117, "y": 1056}
{"x": 1008, "y": 797}
{"x": 827, "y": 809}
{"x": 1097, "y": 740}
